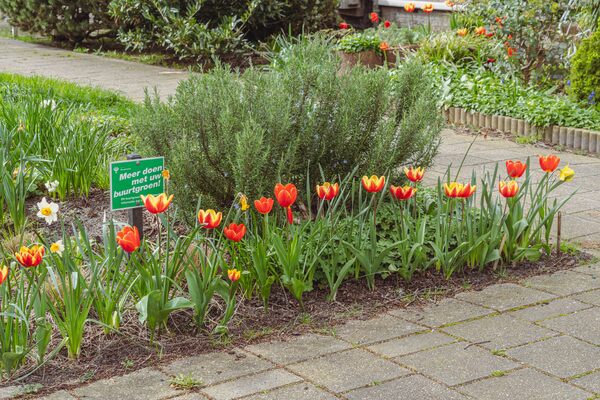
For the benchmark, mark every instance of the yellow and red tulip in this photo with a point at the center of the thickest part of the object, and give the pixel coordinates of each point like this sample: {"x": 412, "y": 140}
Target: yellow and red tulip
{"x": 549, "y": 163}
{"x": 286, "y": 194}
{"x": 264, "y": 205}
{"x": 428, "y": 8}
{"x": 458, "y": 190}
{"x": 373, "y": 184}
{"x": 480, "y": 30}
{"x": 129, "y": 239}
{"x": 414, "y": 174}
{"x": 157, "y": 204}
{"x": 235, "y": 232}
{"x": 409, "y": 7}
{"x": 515, "y": 169}
{"x": 462, "y": 32}
{"x": 30, "y": 256}
{"x": 327, "y": 191}
{"x": 403, "y": 192}
{"x": 3, "y": 274}
{"x": 234, "y": 275}
{"x": 209, "y": 219}
{"x": 383, "y": 46}
{"x": 508, "y": 189}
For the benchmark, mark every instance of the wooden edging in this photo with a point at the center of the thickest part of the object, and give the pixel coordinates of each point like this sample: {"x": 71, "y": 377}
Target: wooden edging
{"x": 572, "y": 138}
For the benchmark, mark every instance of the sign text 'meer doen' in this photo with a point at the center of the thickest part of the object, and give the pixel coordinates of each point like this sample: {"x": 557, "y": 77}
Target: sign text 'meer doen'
{"x": 132, "y": 178}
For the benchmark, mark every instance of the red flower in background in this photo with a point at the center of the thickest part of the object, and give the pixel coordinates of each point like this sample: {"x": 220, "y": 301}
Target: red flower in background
{"x": 264, "y": 205}
{"x": 387, "y": 23}
{"x": 235, "y": 232}
{"x": 515, "y": 169}
{"x": 374, "y": 17}
{"x": 344, "y": 25}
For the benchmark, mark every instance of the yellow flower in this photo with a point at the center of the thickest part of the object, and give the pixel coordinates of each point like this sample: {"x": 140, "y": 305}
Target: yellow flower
{"x": 244, "y": 202}
{"x": 57, "y": 247}
{"x": 166, "y": 174}
{"x": 566, "y": 174}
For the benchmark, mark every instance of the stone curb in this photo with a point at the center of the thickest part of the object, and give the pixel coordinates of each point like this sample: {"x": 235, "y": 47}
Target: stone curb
{"x": 572, "y": 138}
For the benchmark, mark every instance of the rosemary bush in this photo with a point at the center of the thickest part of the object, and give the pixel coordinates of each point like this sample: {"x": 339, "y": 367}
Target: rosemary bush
{"x": 227, "y": 131}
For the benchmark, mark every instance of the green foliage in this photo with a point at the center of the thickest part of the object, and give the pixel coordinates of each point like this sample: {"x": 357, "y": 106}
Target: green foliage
{"x": 448, "y": 47}
{"x": 200, "y": 30}
{"x": 358, "y": 42}
{"x": 585, "y": 69}
{"x": 482, "y": 90}
{"x": 371, "y": 38}
{"x": 231, "y": 132}
{"x": 63, "y": 20}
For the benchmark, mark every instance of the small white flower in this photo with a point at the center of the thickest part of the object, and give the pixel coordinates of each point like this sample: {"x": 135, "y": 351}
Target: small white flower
{"x": 57, "y": 247}
{"x": 48, "y": 211}
{"x": 49, "y": 103}
{"x": 51, "y": 186}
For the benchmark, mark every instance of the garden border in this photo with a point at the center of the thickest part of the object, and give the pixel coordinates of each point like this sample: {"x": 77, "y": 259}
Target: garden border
{"x": 572, "y": 138}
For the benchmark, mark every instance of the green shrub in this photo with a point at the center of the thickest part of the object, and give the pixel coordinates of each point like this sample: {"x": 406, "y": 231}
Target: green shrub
{"x": 197, "y": 31}
{"x": 585, "y": 69}
{"x": 226, "y": 132}
{"x": 459, "y": 50}
{"x": 63, "y": 20}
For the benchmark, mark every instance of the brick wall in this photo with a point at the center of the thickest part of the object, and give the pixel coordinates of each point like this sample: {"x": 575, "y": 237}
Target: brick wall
{"x": 440, "y": 20}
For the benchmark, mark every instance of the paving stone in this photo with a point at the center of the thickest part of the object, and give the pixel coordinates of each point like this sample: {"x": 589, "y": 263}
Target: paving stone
{"x": 583, "y": 324}
{"x": 251, "y": 384}
{"x": 453, "y": 364}
{"x": 524, "y": 384}
{"x": 298, "y": 349}
{"x": 561, "y": 356}
{"x": 145, "y": 384}
{"x": 446, "y": 311}
{"x": 376, "y": 329}
{"x": 9, "y": 392}
{"x": 411, "y": 344}
{"x": 499, "y": 332}
{"x": 589, "y": 382}
{"x": 563, "y": 283}
{"x": 414, "y": 387}
{"x": 592, "y": 297}
{"x": 589, "y": 269}
{"x": 505, "y": 296}
{"x": 298, "y": 391}
{"x": 552, "y": 309}
{"x": 190, "y": 396}
{"x": 348, "y": 370}
{"x": 211, "y": 368}
{"x": 60, "y": 395}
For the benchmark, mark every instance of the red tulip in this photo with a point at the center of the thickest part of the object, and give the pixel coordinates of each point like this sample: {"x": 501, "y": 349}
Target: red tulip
{"x": 480, "y": 30}
{"x": 374, "y": 17}
{"x": 3, "y": 274}
{"x": 263, "y": 205}
{"x": 510, "y": 51}
{"x": 286, "y": 194}
{"x": 373, "y": 184}
{"x": 508, "y": 189}
{"x": 233, "y": 275}
{"x": 209, "y": 219}
{"x": 403, "y": 192}
{"x": 383, "y": 46}
{"x": 515, "y": 169}
{"x": 344, "y": 25}
{"x": 30, "y": 256}
{"x": 129, "y": 239}
{"x": 157, "y": 204}
{"x": 327, "y": 191}
{"x": 387, "y": 23}
{"x": 414, "y": 174}
{"x": 549, "y": 163}
{"x": 235, "y": 232}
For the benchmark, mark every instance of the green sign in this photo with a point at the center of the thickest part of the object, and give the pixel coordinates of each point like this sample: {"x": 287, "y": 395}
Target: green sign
{"x": 132, "y": 178}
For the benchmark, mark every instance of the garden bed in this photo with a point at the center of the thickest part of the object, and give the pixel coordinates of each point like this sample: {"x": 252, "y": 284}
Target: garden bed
{"x": 129, "y": 350}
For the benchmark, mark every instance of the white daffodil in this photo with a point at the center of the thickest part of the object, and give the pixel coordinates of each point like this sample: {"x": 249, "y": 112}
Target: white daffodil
{"x": 48, "y": 211}
{"x": 57, "y": 247}
{"x": 49, "y": 103}
{"x": 51, "y": 186}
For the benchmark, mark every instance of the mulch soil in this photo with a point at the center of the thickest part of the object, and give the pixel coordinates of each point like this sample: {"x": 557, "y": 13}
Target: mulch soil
{"x": 105, "y": 356}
